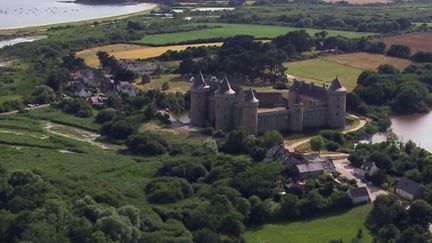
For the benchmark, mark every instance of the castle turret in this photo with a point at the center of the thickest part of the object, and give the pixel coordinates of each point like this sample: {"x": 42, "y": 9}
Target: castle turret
{"x": 336, "y": 104}
{"x": 296, "y": 117}
{"x": 250, "y": 112}
{"x": 198, "y": 104}
{"x": 225, "y": 97}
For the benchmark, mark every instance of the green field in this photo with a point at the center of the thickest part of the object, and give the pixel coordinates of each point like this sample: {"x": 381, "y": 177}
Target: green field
{"x": 227, "y": 30}
{"x": 323, "y": 71}
{"x": 320, "y": 230}
{"x": 75, "y": 168}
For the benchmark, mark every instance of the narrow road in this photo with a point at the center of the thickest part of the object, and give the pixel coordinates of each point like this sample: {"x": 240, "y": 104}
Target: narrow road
{"x": 344, "y": 167}
{"x": 362, "y": 123}
{"x": 27, "y": 109}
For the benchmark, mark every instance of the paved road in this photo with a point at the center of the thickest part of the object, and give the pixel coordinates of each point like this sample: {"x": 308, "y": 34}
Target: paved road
{"x": 343, "y": 166}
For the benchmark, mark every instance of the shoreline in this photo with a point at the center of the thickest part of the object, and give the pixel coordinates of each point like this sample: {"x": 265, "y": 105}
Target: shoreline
{"x": 42, "y": 27}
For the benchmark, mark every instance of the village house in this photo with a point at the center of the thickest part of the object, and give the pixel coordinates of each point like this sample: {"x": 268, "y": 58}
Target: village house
{"x": 85, "y": 76}
{"x": 97, "y": 100}
{"x": 82, "y": 93}
{"x": 359, "y": 195}
{"x": 126, "y": 87}
{"x": 408, "y": 189}
{"x": 367, "y": 168}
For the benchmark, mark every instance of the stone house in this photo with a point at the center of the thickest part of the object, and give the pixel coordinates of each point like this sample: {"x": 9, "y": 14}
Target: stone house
{"x": 408, "y": 189}
{"x": 359, "y": 195}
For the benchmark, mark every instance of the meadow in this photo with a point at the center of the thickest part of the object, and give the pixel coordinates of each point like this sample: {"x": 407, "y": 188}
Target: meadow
{"x": 321, "y": 71}
{"x": 74, "y": 167}
{"x": 367, "y": 61}
{"x": 317, "y": 230}
{"x": 219, "y": 31}
{"x": 130, "y": 51}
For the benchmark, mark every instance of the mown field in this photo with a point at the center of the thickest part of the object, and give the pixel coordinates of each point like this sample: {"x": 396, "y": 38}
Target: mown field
{"x": 417, "y": 41}
{"x": 367, "y": 61}
{"x": 321, "y": 71}
{"x": 176, "y": 83}
{"x": 319, "y": 230}
{"x": 129, "y": 51}
{"x": 227, "y": 30}
{"x": 347, "y": 67}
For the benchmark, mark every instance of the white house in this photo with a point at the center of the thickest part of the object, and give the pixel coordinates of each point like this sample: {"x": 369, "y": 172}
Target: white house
{"x": 408, "y": 189}
{"x": 359, "y": 195}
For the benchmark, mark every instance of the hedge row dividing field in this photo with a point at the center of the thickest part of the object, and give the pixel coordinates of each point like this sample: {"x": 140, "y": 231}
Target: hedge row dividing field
{"x": 219, "y": 31}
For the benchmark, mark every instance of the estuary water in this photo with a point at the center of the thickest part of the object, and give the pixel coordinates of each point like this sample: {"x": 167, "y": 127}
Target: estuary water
{"x": 28, "y": 13}
{"x": 417, "y": 127}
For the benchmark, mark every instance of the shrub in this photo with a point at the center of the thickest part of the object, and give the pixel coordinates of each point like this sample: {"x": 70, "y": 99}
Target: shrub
{"x": 22, "y": 177}
{"x": 105, "y": 116}
{"x": 148, "y": 144}
{"x": 167, "y": 190}
{"x": 332, "y": 146}
{"x": 317, "y": 143}
{"x": 399, "y": 51}
{"x": 119, "y": 129}
{"x": 271, "y": 138}
{"x": 190, "y": 170}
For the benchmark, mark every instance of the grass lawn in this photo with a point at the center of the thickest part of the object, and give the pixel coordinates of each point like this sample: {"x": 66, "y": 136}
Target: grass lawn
{"x": 176, "y": 83}
{"x": 323, "y": 71}
{"x": 323, "y": 229}
{"x": 367, "y": 61}
{"x": 129, "y": 51}
{"x": 227, "y": 30}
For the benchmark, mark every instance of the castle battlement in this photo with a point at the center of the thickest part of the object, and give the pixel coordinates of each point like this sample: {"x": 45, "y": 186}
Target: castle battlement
{"x": 305, "y": 105}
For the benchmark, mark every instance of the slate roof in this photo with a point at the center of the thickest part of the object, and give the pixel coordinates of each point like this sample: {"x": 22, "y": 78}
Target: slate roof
{"x": 409, "y": 186}
{"x": 225, "y": 87}
{"x": 310, "y": 167}
{"x": 336, "y": 85}
{"x": 199, "y": 82}
{"x": 308, "y": 89}
{"x": 250, "y": 96}
{"x": 367, "y": 165}
{"x": 359, "y": 192}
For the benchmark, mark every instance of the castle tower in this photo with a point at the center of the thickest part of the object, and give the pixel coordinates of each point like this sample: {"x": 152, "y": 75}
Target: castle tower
{"x": 296, "y": 117}
{"x": 336, "y": 104}
{"x": 250, "y": 112}
{"x": 225, "y": 97}
{"x": 198, "y": 103}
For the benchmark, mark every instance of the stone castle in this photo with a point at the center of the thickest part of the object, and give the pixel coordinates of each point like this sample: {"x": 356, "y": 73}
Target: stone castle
{"x": 303, "y": 106}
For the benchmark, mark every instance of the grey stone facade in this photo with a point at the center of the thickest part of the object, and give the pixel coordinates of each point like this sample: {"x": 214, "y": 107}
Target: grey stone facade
{"x": 304, "y": 106}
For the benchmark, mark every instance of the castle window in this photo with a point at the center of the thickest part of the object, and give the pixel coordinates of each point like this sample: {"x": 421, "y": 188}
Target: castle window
{"x": 337, "y": 105}
{"x": 226, "y": 99}
{"x": 337, "y": 98}
{"x": 224, "y": 116}
{"x": 337, "y": 113}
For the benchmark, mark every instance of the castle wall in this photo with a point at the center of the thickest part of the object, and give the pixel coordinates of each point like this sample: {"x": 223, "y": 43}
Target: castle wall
{"x": 224, "y": 111}
{"x": 278, "y": 120}
{"x": 198, "y": 110}
{"x": 238, "y": 116}
{"x": 314, "y": 117}
{"x": 270, "y": 99}
{"x": 336, "y": 107}
{"x": 211, "y": 108}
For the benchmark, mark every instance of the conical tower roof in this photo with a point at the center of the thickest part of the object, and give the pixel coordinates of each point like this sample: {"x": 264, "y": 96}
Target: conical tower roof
{"x": 250, "y": 96}
{"x": 336, "y": 85}
{"x": 225, "y": 87}
{"x": 199, "y": 82}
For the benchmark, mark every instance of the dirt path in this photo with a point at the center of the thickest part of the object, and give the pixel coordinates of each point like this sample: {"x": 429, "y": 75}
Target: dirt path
{"x": 41, "y": 137}
{"x": 292, "y": 146}
{"x": 75, "y": 134}
{"x": 27, "y": 109}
